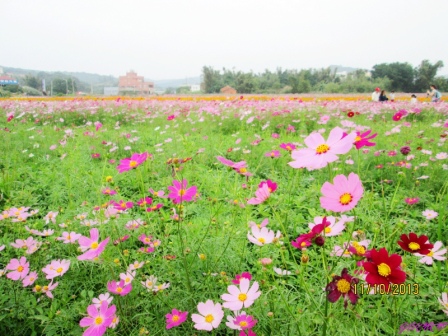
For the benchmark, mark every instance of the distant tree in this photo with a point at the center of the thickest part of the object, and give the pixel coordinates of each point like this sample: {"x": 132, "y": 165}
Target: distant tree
{"x": 170, "y": 90}
{"x": 246, "y": 83}
{"x": 401, "y": 75}
{"x": 211, "y": 80}
{"x": 183, "y": 90}
{"x": 60, "y": 86}
{"x": 32, "y": 82}
{"x": 425, "y": 74}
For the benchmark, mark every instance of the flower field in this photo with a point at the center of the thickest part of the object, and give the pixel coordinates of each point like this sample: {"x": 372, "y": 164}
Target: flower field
{"x": 241, "y": 216}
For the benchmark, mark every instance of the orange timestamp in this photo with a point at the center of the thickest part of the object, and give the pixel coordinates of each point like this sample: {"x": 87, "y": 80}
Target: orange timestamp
{"x": 391, "y": 289}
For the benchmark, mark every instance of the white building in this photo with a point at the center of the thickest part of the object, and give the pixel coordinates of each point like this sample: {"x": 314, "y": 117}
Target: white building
{"x": 195, "y": 88}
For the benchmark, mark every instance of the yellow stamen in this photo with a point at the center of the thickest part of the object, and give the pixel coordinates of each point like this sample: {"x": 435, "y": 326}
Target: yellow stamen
{"x": 242, "y": 297}
{"x": 414, "y": 246}
{"x": 209, "y": 318}
{"x": 94, "y": 245}
{"x": 132, "y": 164}
{"x": 345, "y": 199}
{"x": 384, "y": 270}
{"x": 262, "y": 240}
{"x": 98, "y": 320}
{"x": 343, "y": 286}
{"x": 322, "y": 149}
{"x": 175, "y": 318}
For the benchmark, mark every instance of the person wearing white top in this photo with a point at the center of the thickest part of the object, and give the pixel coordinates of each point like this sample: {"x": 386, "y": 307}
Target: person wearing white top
{"x": 413, "y": 99}
{"x": 376, "y": 95}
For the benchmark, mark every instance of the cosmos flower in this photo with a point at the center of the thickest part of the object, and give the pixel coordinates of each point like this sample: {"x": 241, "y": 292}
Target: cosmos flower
{"x": 383, "y": 269}
{"x": 343, "y": 285}
{"x": 209, "y": 317}
{"x": 98, "y": 320}
{"x": 343, "y": 194}
{"x": 133, "y": 162}
{"x": 90, "y": 246}
{"x": 434, "y": 253}
{"x": 175, "y": 318}
{"x": 179, "y": 192}
{"x": 415, "y": 244}
{"x": 242, "y": 297}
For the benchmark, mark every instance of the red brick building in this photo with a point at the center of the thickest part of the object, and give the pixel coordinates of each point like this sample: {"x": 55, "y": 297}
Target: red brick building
{"x": 228, "y": 90}
{"x": 133, "y": 84}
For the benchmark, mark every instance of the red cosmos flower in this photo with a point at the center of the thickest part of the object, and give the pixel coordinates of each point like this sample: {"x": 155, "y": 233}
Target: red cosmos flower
{"x": 350, "y": 114}
{"x": 397, "y": 116}
{"x": 342, "y": 286}
{"x": 171, "y": 117}
{"x": 10, "y": 118}
{"x": 238, "y": 277}
{"x": 306, "y": 239}
{"x": 362, "y": 139}
{"x": 96, "y": 155}
{"x": 383, "y": 269}
{"x": 415, "y": 244}
{"x": 412, "y": 200}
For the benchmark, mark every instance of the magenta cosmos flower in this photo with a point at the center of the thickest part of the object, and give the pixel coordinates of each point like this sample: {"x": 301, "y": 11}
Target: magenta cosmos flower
{"x": 133, "y": 162}
{"x": 272, "y": 186}
{"x": 273, "y": 154}
{"x": 242, "y": 297}
{"x": 98, "y": 320}
{"x": 362, "y": 139}
{"x": 332, "y": 228}
{"x": 19, "y": 268}
{"x": 320, "y": 152}
{"x": 175, "y": 319}
{"x": 90, "y": 246}
{"x": 179, "y": 192}
{"x": 288, "y": 146}
{"x": 343, "y": 194}
{"x": 119, "y": 288}
{"x": 209, "y": 317}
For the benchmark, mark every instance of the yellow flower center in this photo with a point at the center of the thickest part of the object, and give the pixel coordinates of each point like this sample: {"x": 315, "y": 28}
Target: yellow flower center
{"x": 156, "y": 193}
{"x": 303, "y": 244}
{"x": 345, "y": 199}
{"x": 242, "y": 297}
{"x": 59, "y": 270}
{"x": 20, "y": 268}
{"x": 149, "y": 283}
{"x": 322, "y": 149}
{"x": 94, "y": 245}
{"x": 430, "y": 254}
{"x": 37, "y": 288}
{"x": 343, "y": 286}
{"x": 24, "y": 247}
{"x": 45, "y": 288}
{"x": 132, "y": 164}
{"x": 175, "y": 318}
{"x": 98, "y": 320}
{"x": 272, "y": 153}
{"x": 156, "y": 243}
{"x": 209, "y": 318}
{"x": 327, "y": 229}
{"x": 243, "y": 170}
{"x": 127, "y": 279}
{"x": 147, "y": 240}
{"x": 414, "y": 246}
{"x": 243, "y": 324}
{"x": 68, "y": 237}
{"x": 261, "y": 240}
{"x": 160, "y": 287}
{"x": 359, "y": 248}
{"x": 357, "y": 138}
{"x": 288, "y": 148}
{"x": 119, "y": 289}
{"x": 384, "y": 270}
{"x": 182, "y": 192}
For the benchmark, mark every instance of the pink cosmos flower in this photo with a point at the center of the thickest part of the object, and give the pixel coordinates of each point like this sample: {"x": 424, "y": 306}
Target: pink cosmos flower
{"x": 273, "y": 154}
{"x": 245, "y": 321}
{"x": 343, "y": 195}
{"x": 238, "y": 277}
{"x": 180, "y": 193}
{"x": 24, "y": 244}
{"x": 143, "y": 202}
{"x": 90, "y": 246}
{"x": 128, "y": 277}
{"x": 133, "y": 162}
{"x": 69, "y": 238}
{"x": 114, "y": 322}
{"x": 209, "y": 317}
{"x": 122, "y": 205}
{"x": 241, "y": 297}
{"x": 412, "y": 200}
{"x": 134, "y": 224}
{"x": 288, "y": 146}
{"x": 332, "y": 229}
{"x": 56, "y": 268}
{"x": 262, "y": 224}
{"x": 29, "y": 279}
{"x": 51, "y": 216}
{"x": 47, "y": 290}
{"x": 362, "y": 139}
{"x": 239, "y": 167}
{"x": 136, "y": 265}
{"x": 102, "y": 298}
{"x": 108, "y": 191}
{"x": 147, "y": 240}
{"x": 19, "y": 268}
{"x": 435, "y": 253}
{"x": 175, "y": 319}
{"x": 159, "y": 193}
{"x": 99, "y": 319}
{"x": 98, "y": 125}
{"x": 444, "y": 302}
{"x": 429, "y": 214}
{"x": 155, "y": 207}
{"x": 272, "y": 186}
{"x": 261, "y": 195}
{"x": 119, "y": 288}
{"x": 320, "y": 152}
{"x": 261, "y": 236}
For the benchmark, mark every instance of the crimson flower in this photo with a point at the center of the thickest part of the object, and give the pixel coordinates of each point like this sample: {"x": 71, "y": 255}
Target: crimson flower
{"x": 412, "y": 200}
{"x": 344, "y": 286}
{"x": 383, "y": 269}
{"x": 415, "y": 244}
{"x": 350, "y": 114}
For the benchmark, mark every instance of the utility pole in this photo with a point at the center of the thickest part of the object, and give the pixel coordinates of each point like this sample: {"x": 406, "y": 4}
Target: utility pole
{"x": 51, "y": 88}
{"x": 73, "y": 87}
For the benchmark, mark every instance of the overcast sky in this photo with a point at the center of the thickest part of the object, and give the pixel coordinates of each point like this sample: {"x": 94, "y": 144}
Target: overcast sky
{"x": 168, "y": 39}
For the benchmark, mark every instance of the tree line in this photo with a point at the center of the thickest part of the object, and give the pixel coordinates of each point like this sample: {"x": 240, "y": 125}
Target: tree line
{"x": 399, "y": 77}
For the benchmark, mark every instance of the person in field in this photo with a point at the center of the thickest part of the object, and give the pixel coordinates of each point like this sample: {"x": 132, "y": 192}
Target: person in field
{"x": 392, "y": 96}
{"x": 413, "y": 98}
{"x": 383, "y": 96}
{"x": 434, "y": 94}
{"x": 376, "y": 95}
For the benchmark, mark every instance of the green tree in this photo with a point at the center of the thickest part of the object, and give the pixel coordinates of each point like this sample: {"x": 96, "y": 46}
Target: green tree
{"x": 211, "y": 80}
{"x": 401, "y": 75}
{"x": 32, "y": 82}
{"x": 60, "y": 86}
{"x": 425, "y": 74}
